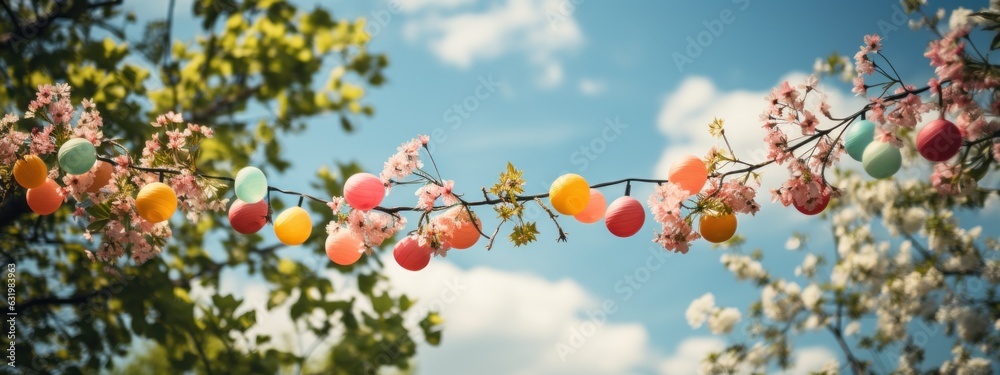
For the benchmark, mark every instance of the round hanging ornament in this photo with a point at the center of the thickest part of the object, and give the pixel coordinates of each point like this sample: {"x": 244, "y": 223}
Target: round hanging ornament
{"x": 689, "y": 173}
{"x": 343, "y": 248}
{"x": 939, "y": 140}
{"x": 410, "y": 255}
{"x": 569, "y": 194}
{"x": 363, "y": 191}
{"x": 156, "y": 202}
{"x": 881, "y": 159}
{"x": 250, "y": 185}
{"x": 77, "y": 156}
{"x": 814, "y": 205}
{"x": 247, "y": 218}
{"x": 30, "y": 172}
{"x": 625, "y": 217}
{"x": 859, "y": 135}
{"x": 717, "y": 228}
{"x": 102, "y": 176}
{"x": 293, "y": 226}
{"x": 595, "y": 208}
{"x": 45, "y": 198}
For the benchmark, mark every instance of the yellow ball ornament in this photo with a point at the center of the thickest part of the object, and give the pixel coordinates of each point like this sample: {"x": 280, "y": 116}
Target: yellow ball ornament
{"x": 569, "y": 194}
{"x": 30, "y": 172}
{"x": 156, "y": 202}
{"x": 293, "y": 226}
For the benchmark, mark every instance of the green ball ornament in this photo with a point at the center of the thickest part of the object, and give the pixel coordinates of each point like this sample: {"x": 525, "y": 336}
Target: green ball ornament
{"x": 858, "y": 137}
{"x": 881, "y": 159}
{"x": 77, "y": 156}
{"x": 251, "y": 185}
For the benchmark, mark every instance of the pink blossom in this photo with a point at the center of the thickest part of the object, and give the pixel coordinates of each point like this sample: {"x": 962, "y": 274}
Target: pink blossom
{"x": 42, "y": 141}
{"x": 808, "y": 123}
{"x": 447, "y": 195}
{"x": 945, "y": 178}
{"x": 666, "y": 201}
{"x": 859, "y": 87}
{"x": 427, "y": 195}
{"x": 335, "y": 204}
{"x": 873, "y": 43}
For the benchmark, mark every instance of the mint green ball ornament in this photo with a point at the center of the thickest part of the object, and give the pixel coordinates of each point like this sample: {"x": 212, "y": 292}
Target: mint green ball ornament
{"x": 881, "y": 159}
{"x": 251, "y": 185}
{"x": 77, "y": 156}
{"x": 859, "y": 136}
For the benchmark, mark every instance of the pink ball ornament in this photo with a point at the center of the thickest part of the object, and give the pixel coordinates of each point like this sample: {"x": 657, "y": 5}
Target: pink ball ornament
{"x": 939, "y": 140}
{"x": 343, "y": 248}
{"x": 410, "y": 255}
{"x": 595, "y": 208}
{"x": 625, "y": 217}
{"x": 364, "y": 191}
{"x": 248, "y": 218}
{"x": 689, "y": 173}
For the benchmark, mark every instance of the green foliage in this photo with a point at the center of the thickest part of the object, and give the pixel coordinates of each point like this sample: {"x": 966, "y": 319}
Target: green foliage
{"x": 251, "y": 57}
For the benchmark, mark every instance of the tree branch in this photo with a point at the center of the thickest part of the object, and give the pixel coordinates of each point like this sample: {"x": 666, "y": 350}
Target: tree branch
{"x": 41, "y": 26}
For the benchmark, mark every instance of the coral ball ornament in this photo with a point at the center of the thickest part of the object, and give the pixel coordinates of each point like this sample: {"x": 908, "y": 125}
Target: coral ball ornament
{"x": 939, "y": 140}
{"x": 858, "y": 137}
{"x": 569, "y": 194}
{"x": 251, "y": 185}
{"x": 625, "y": 217}
{"x": 465, "y": 235}
{"x": 595, "y": 208}
{"x": 364, "y": 191}
{"x": 881, "y": 159}
{"x": 102, "y": 176}
{"x": 343, "y": 248}
{"x": 156, "y": 202}
{"x": 293, "y": 226}
{"x": 818, "y": 204}
{"x": 77, "y": 156}
{"x": 689, "y": 173}
{"x": 717, "y": 228}
{"x": 45, "y": 198}
{"x": 248, "y": 218}
{"x": 410, "y": 255}
{"x": 30, "y": 172}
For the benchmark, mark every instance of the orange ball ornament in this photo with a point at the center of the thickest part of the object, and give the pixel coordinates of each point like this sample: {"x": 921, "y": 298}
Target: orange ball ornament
{"x": 45, "y": 198}
{"x": 293, "y": 226}
{"x": 717, "y": 228}
{"x": 569, "y": 194}
{"x": 689, "y": 173}
{"x": 595, "y": 208}
{"x": 467, "y": 232}
{"x": 30, "y": 172}
{"x": 625, "y": 217}
{"x": 156, "y": 202}
{"x": 343, "y": 248}
{"x": 102, "y": 176}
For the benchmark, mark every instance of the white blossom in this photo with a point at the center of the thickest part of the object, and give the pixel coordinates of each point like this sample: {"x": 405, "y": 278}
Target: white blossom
{"x": 723, "y": 320}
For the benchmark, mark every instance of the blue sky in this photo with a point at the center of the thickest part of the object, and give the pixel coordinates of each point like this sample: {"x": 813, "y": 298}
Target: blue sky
{"x": 566, "y": 69}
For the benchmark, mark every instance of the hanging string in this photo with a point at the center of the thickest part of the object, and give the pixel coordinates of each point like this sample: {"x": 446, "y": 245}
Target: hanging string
{"x": 628, "y": 187}
{"x": 388, "y": 210}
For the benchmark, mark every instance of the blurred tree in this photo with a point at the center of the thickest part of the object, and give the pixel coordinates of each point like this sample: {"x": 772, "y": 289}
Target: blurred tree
{"x": 256, "y": 72}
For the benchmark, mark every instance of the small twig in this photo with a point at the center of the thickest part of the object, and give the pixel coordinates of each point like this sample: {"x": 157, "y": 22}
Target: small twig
{"x": 553, "y": 216}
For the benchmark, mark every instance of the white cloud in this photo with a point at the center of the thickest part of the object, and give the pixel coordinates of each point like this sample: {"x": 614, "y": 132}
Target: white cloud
{"x": 685, "y": 114}
{"x": 810, "y": 359}
{"x": 511, "y": 323}
{"x": 592, "y": 87}
{"x": 687, "y": 358}
{"x": 410, "y": 6}
{"x": 529, "y": 27}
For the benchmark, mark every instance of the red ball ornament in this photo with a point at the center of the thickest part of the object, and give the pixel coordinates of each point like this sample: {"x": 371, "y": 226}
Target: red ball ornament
{"x": 625, "y": 217}
{"x": 343, "y": 248}
{"x": 939, "y": 140}
{"x": 44, "y": 199}
{"x": 818, "y": 204}
{"x": 364, "y": 191}
{"x": 248, "y": 218}
{"x": 410, "y": 255}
